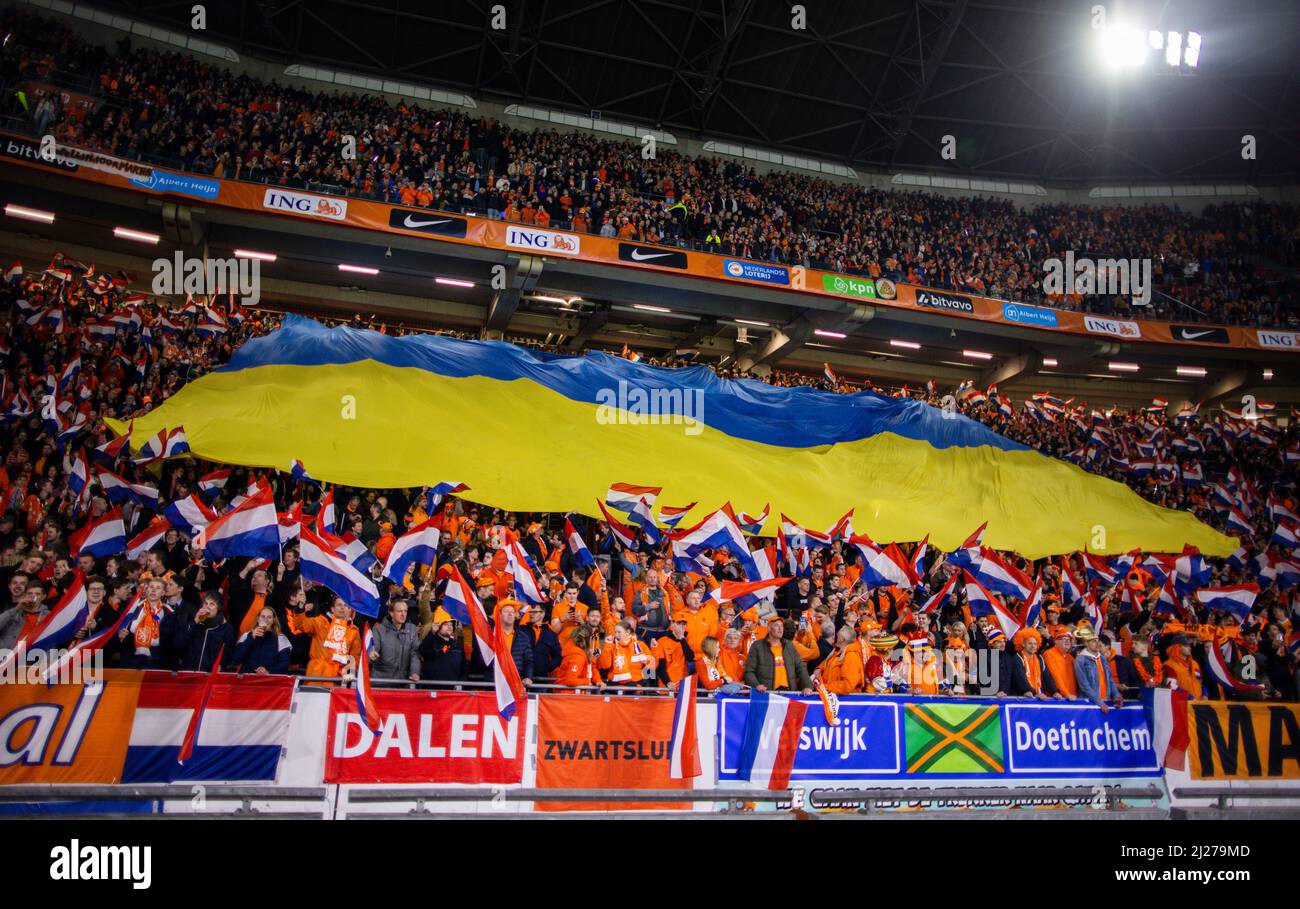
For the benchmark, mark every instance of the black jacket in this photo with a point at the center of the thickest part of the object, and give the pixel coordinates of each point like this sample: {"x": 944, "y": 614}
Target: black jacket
{"x": 443, "y": 658}
{"x": 547, "y": 655}
{"x": 197, "y": 644}
{"x": 1020, "y": 686}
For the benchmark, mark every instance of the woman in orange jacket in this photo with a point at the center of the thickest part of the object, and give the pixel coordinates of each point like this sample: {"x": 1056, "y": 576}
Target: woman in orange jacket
{"x": 708, "y": 668}
{"x": 842, "y": 670}
{"x": 335, "y": 641}
{"x": 581, "y": 652}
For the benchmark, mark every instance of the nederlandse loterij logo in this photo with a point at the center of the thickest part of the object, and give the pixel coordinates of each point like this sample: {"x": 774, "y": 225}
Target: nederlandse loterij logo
{"x": 1088, "y": 277}
{"x": 629, "y": 406}
{"x": 75, "y": 862}
{"x": 191, "y": 275}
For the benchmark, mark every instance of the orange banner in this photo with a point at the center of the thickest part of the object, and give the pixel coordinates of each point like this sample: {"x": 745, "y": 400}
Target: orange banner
{"x": 67, "y": 733}
{"x": 447, "y": 227}
{"x": 1240, "y": 741}
{"x": 590, "y": 742}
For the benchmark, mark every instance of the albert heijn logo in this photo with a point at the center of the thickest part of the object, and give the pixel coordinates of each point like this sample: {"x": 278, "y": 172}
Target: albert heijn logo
{"x": 305, "y": 204}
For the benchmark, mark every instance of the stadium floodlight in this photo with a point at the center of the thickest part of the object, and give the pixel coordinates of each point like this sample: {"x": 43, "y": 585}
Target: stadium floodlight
{"x": 29, "y": 214}
{"x": 910, "y": 345}
{"x": 1192, "y": 55}
{"x": 359, "y": 269}
{"x": 977, "y": 355}
{"x": 453, "y": 282}
{"x": 1268, "y": 374}
{"x": 1049, "y": 361}
{"x": 254, "y": 254}
{"x": 1173, "y": 48}
{"x": 1123, "y": 367}
{"x": 647, "y": 307}
{"x": 822, "y": 333}
{"x": 1197, "y": 372}
{"x": 126, "y": 233}
{"x": 1123, "y": 47}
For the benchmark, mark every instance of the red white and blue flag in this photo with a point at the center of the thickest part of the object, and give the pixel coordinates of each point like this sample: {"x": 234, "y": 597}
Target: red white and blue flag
{"x": 250, "y": 529}
{"x": 1222, "y": 674}
{"x": 298, "y": 473}
{"x": 1235, "y": 600}
{"x": 325, "y": 519}
{"x": 366, "y": 707}
{"x": 59, "y": 626}
{"x": 883, "y": 567}
{"x": 684, "y": 744}
{"x": 625, "y": 496}
{"x": 982, "y": 602}
{"x": 937, "y": 600}
{"x": 418, "y": 546}
{"x": 189, "y": 515}
{"x": 717, "y": 531}
{"x": 670, "y": 517}
{"x": 999, "y": 575}
{"x": 581, "y": 555}
{"x": 640, "y": 516}
{"x": 434, "y": 495}
{"x": 968, "y": 555}
{"x": 118, "y": 489}
{"x": 519, "y": 565}
{"x": 770, "y": 741}
{"x": 322, "y": 565}
{"x": 626, "y": 536}
{"x": 461, "y": 600}
{"x": 100, "y": 537}
{"x": 745, "y": 593}
{"x": 211, "y": 484}
{"x": 753, "y": 524}
{"x": 148, "y": 538}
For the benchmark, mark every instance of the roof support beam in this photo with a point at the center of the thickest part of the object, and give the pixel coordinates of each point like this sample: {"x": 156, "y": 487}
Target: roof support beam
{"x": 929, "y": 70}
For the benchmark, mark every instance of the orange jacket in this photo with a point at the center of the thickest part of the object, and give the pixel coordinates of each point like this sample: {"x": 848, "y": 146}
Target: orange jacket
{"x": 842, "y": 670}
{"x": 710, "y": 674}
{"x": 331, "y": 642}
{"x": 731, "y": 663}
{"x": 670, "y": 650}
{"x": 1062, "y": 669}
{"x": 576, "y": 668}
{"x": 626, "y": 664}
{"x": 699, "y": 625}
{"x": 1186, "y": 674}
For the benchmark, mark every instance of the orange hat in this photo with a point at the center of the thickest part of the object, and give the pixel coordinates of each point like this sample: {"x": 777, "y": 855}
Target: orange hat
{"x": 441, "y": 615}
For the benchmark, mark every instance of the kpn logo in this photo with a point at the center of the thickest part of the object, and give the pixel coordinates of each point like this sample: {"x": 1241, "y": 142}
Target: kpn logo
{"x": 183, "y": 274}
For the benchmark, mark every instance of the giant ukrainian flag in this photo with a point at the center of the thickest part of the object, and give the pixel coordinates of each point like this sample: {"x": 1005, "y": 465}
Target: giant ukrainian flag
{"x": 533, "y": 432}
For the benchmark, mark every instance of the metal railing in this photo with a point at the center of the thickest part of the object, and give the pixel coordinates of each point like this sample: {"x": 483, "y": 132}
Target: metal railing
{"x": 1222, "y": 809}
{"x": 244, "y": 797}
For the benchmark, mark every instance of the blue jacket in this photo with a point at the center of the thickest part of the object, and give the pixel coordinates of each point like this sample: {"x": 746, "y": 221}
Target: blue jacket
{"x": 1085, "y": 674}
{"x": 267, "y": 652}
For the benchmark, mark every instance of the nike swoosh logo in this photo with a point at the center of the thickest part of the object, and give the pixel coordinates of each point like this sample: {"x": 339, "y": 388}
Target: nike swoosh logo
{"x": 638, "y": 257}
{"x": 1193, "y": 335}
{"x": 417, "y": 224}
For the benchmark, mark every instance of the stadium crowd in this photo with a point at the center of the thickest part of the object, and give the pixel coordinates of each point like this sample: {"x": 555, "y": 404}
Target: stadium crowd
{"x": 172, "y": 109}
{"x": 79, "y": 347}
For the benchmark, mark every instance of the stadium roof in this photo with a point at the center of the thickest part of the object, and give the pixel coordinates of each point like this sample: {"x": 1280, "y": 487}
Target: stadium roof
{"x": 874, "y": 86}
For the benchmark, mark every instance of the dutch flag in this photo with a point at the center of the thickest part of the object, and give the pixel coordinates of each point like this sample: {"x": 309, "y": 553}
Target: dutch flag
{"x": 625, "y": 535}
{"x": 716, "y": 531}
{"x": 251, "y": 529}
{"x": 582, "y": 556}
{"x": 119, "y": 490}
{"x": 366, "y": 706}
{"x": 999, "y": 575}
{"x": 883, "y": 567}
{"x": 58, "y": 628}
{"x": 434, "y": 495}
{"x": 939, "y": 598}
{"x": 640, "y": 515}
{"x": 103, "y": 537}
{"x": 148, "y": 538}
{"x": 751, "y": 524}
{"x": 625, "y": 496}
{"x": 670, "y": 517}
{"x": 299, "y": 474}
{"x": 211, "y": 484}
{"x": 770, "y": 740}
{"x": 1223, "y": 675}
{"x": 1236, "y": 600}
{"x": 189, "y": 515}
{"x": 684, "y": 746}
{"x": 418, "y": 546}
{"x": 982, "y": 602}
{"x": 322, "y": 565}
{"x": 526, "y": 586}
{"x": 968, "y": 555}
{"x": 1238, "y": 523}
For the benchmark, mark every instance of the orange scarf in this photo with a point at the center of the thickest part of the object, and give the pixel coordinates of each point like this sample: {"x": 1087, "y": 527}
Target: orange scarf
{"x": 1034, "y": 671}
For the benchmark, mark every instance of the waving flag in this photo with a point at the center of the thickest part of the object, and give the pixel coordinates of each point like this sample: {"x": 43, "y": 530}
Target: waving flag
{"x": 457, "y": 600}
{"x": 1169, "y": 605}
{"x": 918, "y": 559}
{"x": 176, "y": 443}
{"x": 1222, "y": 674}
{"x": 880, "y": 567}
{"x": 79, "y": 475}
{"x": 366, "y": 708}
{"x": 298, "y": 473}
{"x": 518, "y": 564}
{"x": 274, "y": 388}
{"x": 727, "y": 591}
{"x": 1236, "y": 600}
{"x": 353, "y": 549}
{"x": 434, "y": 495}
{"x": 1191, "y": 571}
{"x": 322, "y": 565}
{"x": 1033, "y": 609}
{"x": 1100, "y": 569}
{"x": 418, "y": 546}
{"x": 997, "y": 574}
{"x": 59, "y": 626}
{"x": 211, "y": 484}
{"x": 250, "y": 529}
{"x": 100, "y": 537}
{"x": 626, "y": 496}
{"x": 189, "y": 515}
{"x": 325, "y": 520}
{"x": 640, "y": 515}
{"x": 119, "y": 490}
{"x": 1239, "y": 523}
{"x": 670, "y": 517}
{"x": 1286, "y": 534}
{"x": 79, "y": 650}
{"x": 968, "y": 555}
{"x": 148, "y": 538}
{"x": 843, "y": 528}
{"x": 800, "y": 537}
{"x": 982, "y": 602}
{"x": 719, "y": 530}
{"x": 938, "y": 599}
{"x": 626, "y": 536}
{"x": 684, "y": 745}
{"x": 582, "y": 556}
{"x": 753, "y": 524}
{"x": 770, "y": 740}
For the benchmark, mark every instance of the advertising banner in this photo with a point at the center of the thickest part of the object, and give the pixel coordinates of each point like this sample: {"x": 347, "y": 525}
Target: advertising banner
{"x": 586, "y": 742}
{"x": 1238, "y": 741}
{"x": 950, "y": 738}
{"x": 128, "y": 727}
{"x": 427, "y": 737}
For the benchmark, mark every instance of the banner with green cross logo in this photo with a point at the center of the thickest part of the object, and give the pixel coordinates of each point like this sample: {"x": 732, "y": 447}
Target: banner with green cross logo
{"x": 953, "y": 738}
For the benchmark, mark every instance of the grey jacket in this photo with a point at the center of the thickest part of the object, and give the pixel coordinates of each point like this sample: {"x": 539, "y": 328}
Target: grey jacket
{"x": 396, "y": 652}
{"x": 11, "y": 625}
